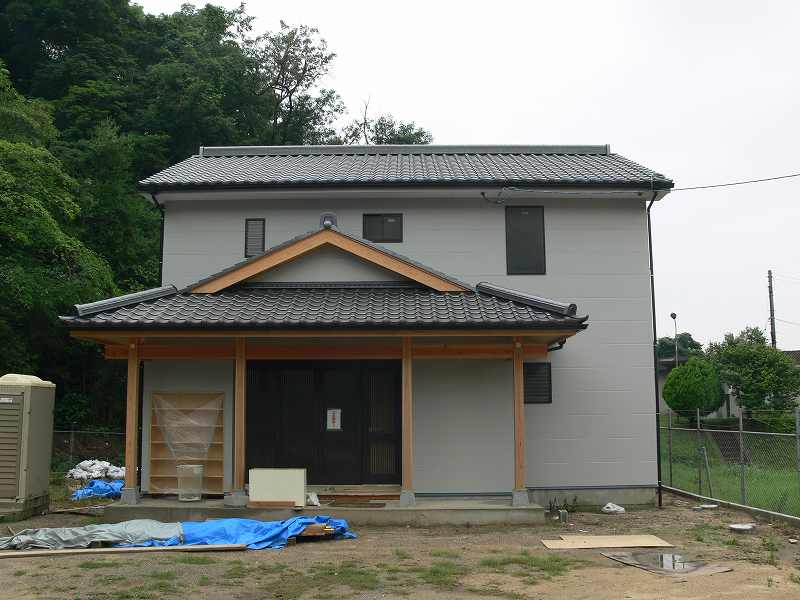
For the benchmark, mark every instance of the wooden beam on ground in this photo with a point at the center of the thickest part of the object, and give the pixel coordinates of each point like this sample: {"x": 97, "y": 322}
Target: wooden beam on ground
{"x": 407, "y": 416}
{"x": 519, "y": 417}
{"x": 132, "y": 550}
{"x": 239, "y": 400}
{"x": 132, "y": 417}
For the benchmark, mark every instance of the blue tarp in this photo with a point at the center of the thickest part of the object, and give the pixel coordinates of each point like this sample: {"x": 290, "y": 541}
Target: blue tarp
{"x": 97, "y": 488}
{"x": 256, "y": 535}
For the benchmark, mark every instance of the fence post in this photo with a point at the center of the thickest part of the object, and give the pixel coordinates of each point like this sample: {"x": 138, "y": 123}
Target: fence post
{"x": 71, "y": 445}
{"x": 669, "y": 444}
{"x": 699, "y": 455}
{"x": 742, "y": 485}
{"x": 797, "y": 442}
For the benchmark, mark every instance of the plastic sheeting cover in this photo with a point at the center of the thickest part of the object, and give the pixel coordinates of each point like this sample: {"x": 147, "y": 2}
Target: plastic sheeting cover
{"x": 187, "y": 432}
{"x": 99, "y": 489}
{"x": 141, "y": 532}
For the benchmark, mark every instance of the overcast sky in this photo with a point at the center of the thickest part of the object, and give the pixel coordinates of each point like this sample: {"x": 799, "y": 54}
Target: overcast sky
{"x": 704, "y": 92}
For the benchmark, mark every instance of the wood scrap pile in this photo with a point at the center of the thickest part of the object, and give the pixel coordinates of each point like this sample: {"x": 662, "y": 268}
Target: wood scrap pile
{"x": 315, "y": 530}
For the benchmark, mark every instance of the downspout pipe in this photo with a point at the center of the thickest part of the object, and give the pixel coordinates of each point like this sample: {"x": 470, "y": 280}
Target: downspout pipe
{"x": 655, "y": 349}
{"x": 160, "y": 208}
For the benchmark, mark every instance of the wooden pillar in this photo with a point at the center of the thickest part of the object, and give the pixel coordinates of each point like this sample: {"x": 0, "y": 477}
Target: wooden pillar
{"x": 519, "y": 420}
{"x": 239, "y": 399}
{"x": 407, "y": 487}
{"x": 132, "y": 421}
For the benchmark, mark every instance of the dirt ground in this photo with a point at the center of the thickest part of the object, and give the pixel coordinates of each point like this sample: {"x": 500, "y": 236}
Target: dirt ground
{"x": 462, "y": 562}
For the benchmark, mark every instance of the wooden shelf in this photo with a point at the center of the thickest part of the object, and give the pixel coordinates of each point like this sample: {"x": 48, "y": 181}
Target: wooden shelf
{"x": 163, "y": 466}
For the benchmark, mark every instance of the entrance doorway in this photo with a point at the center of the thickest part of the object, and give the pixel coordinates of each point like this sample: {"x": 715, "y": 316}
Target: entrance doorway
{"x": 340, "y": 420}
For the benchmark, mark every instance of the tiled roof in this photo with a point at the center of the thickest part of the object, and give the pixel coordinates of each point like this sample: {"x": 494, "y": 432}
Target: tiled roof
{"x": 289, "y": 306}
{"x": 277, "y": 166}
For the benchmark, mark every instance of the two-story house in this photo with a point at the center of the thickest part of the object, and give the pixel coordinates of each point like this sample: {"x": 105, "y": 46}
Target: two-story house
{"x": 407, "y": 316}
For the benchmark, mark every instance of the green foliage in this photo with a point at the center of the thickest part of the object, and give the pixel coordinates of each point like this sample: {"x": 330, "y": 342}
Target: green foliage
{"x": 694, "y": 385}
{"x": 761, "y": 376}
{"x": 71, "y": 410}
{"x": 687, "y": 346}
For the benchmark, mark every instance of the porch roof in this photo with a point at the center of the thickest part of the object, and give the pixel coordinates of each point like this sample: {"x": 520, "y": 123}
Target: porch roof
{"x": 322, "y": 305}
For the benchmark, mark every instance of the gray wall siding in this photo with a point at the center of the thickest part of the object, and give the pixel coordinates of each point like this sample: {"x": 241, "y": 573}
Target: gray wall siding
{"x": 187, "y": 376}
{"x": 463, "y": 426}
{"x": 600, "y": 429}
{"x": 327, "y": 264}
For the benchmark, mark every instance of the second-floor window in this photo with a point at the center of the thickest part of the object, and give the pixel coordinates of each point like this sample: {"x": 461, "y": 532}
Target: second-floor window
{"x": 525, "y": 240}
{"x": 255, "y": 234}
{"x": 383, "y": 227}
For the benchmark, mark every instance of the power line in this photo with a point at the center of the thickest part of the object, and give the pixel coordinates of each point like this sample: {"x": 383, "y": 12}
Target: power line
{"x": 787, "y": 322}
{"x": 716, "y": 185}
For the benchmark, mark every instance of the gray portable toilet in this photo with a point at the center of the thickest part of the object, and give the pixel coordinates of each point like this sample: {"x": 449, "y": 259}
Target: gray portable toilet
{"x": 26, "y": 442}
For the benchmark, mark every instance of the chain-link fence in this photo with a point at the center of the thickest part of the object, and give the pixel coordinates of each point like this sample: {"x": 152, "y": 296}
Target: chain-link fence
{"x": 73, "y": 446}
{"x": 752, "y": 459}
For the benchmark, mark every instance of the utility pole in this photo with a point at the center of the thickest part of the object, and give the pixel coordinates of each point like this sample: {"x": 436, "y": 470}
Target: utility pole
{"x": 771, "y": 309}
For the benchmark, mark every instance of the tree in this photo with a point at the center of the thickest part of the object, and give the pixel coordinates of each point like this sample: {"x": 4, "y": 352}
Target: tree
{"x": 43, "y": 267}
{"x": 692, "y": 386}
{"x": 761, "y": 377}
{"x": 687, "y": 346}
{"x": 384, "y": 130}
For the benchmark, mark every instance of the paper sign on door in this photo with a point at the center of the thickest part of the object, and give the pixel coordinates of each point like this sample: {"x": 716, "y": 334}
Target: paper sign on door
{"x": 334, "y": 419}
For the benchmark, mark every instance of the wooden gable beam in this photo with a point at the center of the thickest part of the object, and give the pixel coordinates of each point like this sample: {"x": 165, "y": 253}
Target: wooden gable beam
{"x": 333, "y": 238}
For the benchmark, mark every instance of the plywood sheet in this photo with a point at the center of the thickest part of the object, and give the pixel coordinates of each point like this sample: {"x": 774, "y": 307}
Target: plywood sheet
{"x": 278, "y": 485}
{"x": 575, "y": 542}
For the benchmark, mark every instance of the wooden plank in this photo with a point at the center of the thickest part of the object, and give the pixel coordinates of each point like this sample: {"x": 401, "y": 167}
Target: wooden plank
{"x": 134, "y": 550}
{"x": 577, "y": 542}
{"x": 326, "y": 352}
{"x": 407, "y": 417}
{"x": 132, "y": 417}
{"x": 240, "y": 397}
{"x": 519, "y": 417}
{"x": 330, "y": 237}
{"x": 272, "y": 504}
{"x": 116, "y": 336}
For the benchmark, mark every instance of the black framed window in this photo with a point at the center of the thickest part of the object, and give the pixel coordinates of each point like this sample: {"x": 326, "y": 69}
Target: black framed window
{"x": 254, "y": 236}
{"x": 537, "y": 383}
{"x": 525, "y": 240}
{"x": 383, "y": 227}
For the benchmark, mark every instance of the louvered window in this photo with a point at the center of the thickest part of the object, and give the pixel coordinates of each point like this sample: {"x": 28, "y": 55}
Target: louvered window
{"x": 254, "y": 236}
{"x": 538, "y": 386}
{"x": 383, "y": 228}
{"x": 525, "y": 240}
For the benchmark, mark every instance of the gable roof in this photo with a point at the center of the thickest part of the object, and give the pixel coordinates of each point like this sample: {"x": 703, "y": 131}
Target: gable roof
{"x": 405, "y": 165}
{"x": 328, "y": 305}
{"x": 328, "y": 236}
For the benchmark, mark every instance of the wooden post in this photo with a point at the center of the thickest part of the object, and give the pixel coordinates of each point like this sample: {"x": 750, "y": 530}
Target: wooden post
{"x": 132, "y": 424}
{"x": 520, "y": 493}
{"x": 239, "y": 399}
{"x": 407, "y": 487}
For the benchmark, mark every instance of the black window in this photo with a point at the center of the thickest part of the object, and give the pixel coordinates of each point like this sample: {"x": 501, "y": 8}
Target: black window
{"x": 525, "y": 240}
{"x": 254, "y": 236}
{"x": 537, "y": 385}
{"x": 383, "y": 228}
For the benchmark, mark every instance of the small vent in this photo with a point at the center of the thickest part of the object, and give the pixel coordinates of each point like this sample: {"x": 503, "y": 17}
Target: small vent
{"x": 538, "y": 386}
{"x": 254, "y": 237}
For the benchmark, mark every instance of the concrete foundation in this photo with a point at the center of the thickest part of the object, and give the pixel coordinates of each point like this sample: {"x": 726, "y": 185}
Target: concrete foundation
{"x": 130, "y": 495}
{"x": 520, "y": 498}
{"x": 236, "y": 499}
{"x": 17, "y": 511}
{"x": 425, "y": 512}
{"x": 623, "y": 496}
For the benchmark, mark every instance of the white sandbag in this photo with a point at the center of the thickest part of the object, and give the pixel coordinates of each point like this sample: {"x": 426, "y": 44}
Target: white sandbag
{"x": 613, "y": 509}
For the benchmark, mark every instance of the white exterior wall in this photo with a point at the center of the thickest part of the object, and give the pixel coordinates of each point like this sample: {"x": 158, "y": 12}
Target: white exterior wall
{"x": 600, "y": 428}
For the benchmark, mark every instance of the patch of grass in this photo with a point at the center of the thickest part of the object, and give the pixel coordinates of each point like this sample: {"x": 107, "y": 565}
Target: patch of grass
{"x": 19, "y": 573}
{"x": 322, "y": 579}
{"x": 770, "y": 543}
{"x": 164, "y": 587}
{"x": 163, "y": 575}
{"x": 731, "y": 542}
{"x": 700, "y": 532}
{"x": 98, "y": 564}
{"x": 194, "y": 559}
{"x": 401, "y": 554}
{"x": 134, "y": 593}
{"x": 443, "y": 574}
{"x": 533, "y": 567}
{"x": 204, "y": 580}
{"x": 794, "y": 578}
{"x": 440, "y": 553}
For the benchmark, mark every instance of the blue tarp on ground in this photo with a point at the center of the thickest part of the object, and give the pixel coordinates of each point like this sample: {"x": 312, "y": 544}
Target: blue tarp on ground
{"x": 97, "y": 488}
{"x": 256, "y": 535}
